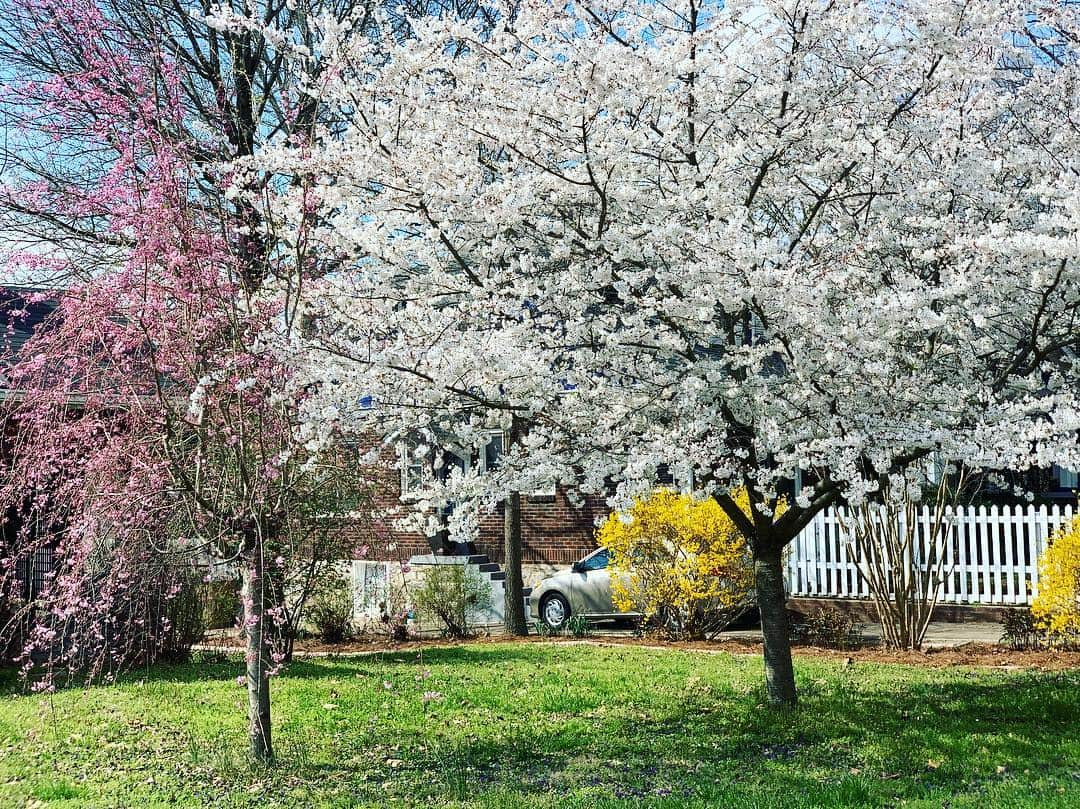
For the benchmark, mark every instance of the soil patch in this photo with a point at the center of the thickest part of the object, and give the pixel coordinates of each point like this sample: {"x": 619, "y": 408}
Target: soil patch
{"x": 969, "y": 654}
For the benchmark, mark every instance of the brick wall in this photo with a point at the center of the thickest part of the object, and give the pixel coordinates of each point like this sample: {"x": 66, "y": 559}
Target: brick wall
{"x": 554, "y": 531}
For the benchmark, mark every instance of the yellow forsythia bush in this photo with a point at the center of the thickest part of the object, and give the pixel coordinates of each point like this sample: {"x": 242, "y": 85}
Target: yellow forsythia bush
{"x": 1057, "y": 606}
{"x": 681, "y": 561}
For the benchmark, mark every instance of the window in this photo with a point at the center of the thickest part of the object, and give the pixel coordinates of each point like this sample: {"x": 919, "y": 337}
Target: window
{"x": 422, "y": 464}
{"x": 492, "y": 452}
{"x": 447, "y": 460}
{"x": 38, "y": 567}
{"x": 416, "y": 471}
{"x": 1066, "y": 478}
{"x": 371, "y": 585}
{"x": 598, "y": 561}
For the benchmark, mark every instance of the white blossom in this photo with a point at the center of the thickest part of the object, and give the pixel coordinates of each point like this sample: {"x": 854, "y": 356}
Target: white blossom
{"x": 744, "y": 239}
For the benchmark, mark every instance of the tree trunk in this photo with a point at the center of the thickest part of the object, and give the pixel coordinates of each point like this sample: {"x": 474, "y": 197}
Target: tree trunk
{"x": 257, "y": 657}
{"x": 775, "y": 629}
{"x": 514, "y": 608}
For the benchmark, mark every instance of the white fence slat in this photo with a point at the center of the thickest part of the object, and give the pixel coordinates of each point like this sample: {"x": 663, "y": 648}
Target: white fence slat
{"x": 1030, "y": 547}
{"x": 1026, "y": 555}
{"x": 997, "y": 551}
{"x": 947, "y": 548}
{"x": 1022, "y": 526}
{"x": 929, "y": 545}
{"x": 960, "y": 518}
{"x": 864, "y": 585}
{"x": 816, "y": 582}
{"x": 828, "y": 585}
{"x": 1025, "y": 544}
{"x": 842, "y": 563}
{"x": 1007, "y": 534}
{"x": 983, "y": 527}
{"x": 837, "y": 566}
{"x": 1036, "y": 543}
{"x": 791, "y": 569}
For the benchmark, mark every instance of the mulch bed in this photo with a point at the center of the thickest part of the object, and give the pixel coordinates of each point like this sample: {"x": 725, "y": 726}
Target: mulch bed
{"x": 968, "y": 654}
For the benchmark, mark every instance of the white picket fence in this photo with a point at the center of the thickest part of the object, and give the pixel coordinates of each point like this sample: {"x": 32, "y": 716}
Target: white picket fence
{"x": 992, "y": 558}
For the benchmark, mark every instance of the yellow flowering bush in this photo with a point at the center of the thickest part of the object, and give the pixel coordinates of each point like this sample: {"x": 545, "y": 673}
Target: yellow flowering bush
{"x": 1057, "y": 606}
{"x": 681, "y": 561}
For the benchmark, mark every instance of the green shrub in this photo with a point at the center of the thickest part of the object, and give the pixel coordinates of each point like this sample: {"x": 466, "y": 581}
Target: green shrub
{"x": 331, "y": 609}
{"x": 449, "y": 593}
{"x": 578, "y": 626}
{"x": 1021, "y": 630}
{"x": 542, "y": 629}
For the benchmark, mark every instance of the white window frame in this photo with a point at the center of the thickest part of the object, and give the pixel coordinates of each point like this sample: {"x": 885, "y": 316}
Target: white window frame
{"x": 371, "y": 584}
{"x": 478, "y": 462}
{"x": 547, "y": 491}
{"x": 427, "y": 470}
{"x": 482, "y": 455}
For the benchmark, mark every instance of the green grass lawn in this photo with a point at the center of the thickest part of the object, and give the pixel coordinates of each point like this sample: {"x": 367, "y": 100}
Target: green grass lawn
{"x": 551, "y": 726}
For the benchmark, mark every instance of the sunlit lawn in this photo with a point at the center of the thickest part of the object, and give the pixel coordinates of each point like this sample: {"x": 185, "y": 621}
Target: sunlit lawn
{"x": 552, "y": 725}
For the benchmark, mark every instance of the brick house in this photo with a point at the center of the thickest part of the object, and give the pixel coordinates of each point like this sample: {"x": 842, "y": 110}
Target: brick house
{"x": 556, "y": 531}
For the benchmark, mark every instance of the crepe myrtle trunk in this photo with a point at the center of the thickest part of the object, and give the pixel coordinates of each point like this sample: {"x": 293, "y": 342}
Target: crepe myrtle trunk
{"x": 257, "y": 652}
{"x": 775, "y": 625}
{"x": 514, "y": 608}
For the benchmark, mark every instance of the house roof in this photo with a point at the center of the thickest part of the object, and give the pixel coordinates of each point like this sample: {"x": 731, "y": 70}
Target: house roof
{"x": 22, "y": 312}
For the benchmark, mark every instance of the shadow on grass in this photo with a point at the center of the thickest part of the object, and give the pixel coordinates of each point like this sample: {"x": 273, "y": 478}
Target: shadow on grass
{"x": 838, "y": 748}
{"x": 865, "y": 736}
{"x": 848, "y": 744}
{"x": 937, "y": 740}
{"x": 216, "y": 666}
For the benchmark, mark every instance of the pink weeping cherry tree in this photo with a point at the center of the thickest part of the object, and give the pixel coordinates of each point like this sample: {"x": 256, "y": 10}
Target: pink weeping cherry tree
{"x": 153, "y": 427}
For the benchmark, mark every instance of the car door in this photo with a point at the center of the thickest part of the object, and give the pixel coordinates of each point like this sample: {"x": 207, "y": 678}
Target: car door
{"x": 592, "y": 585}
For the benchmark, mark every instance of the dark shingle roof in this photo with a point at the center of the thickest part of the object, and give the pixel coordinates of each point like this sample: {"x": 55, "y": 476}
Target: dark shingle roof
{"x": 22, "y": 312}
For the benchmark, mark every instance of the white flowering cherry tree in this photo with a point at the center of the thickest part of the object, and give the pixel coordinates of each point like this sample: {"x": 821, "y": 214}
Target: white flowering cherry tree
{"x": 764, "y": 241}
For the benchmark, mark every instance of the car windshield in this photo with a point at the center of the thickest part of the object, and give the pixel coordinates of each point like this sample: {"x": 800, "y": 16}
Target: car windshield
{"x": 598, "y": 561}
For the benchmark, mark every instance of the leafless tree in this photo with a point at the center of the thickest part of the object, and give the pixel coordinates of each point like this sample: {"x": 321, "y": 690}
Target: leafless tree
{"x": 903, "y": 550}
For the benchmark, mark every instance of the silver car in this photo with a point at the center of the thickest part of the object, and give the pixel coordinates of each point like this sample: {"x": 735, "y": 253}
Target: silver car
{"x": 584, "y": 589}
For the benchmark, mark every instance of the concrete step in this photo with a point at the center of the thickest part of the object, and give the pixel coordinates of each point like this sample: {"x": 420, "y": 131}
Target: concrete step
{"x": 489, "y": 567}
{"x": 498, "y": 575}
{"x": 478, "y": 559}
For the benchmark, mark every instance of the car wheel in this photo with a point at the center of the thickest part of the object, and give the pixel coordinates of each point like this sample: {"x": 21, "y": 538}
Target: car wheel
{"x": 555, "y": 611}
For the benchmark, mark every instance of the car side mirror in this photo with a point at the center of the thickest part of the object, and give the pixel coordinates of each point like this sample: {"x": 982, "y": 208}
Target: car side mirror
{"x": 577, "y": 567}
